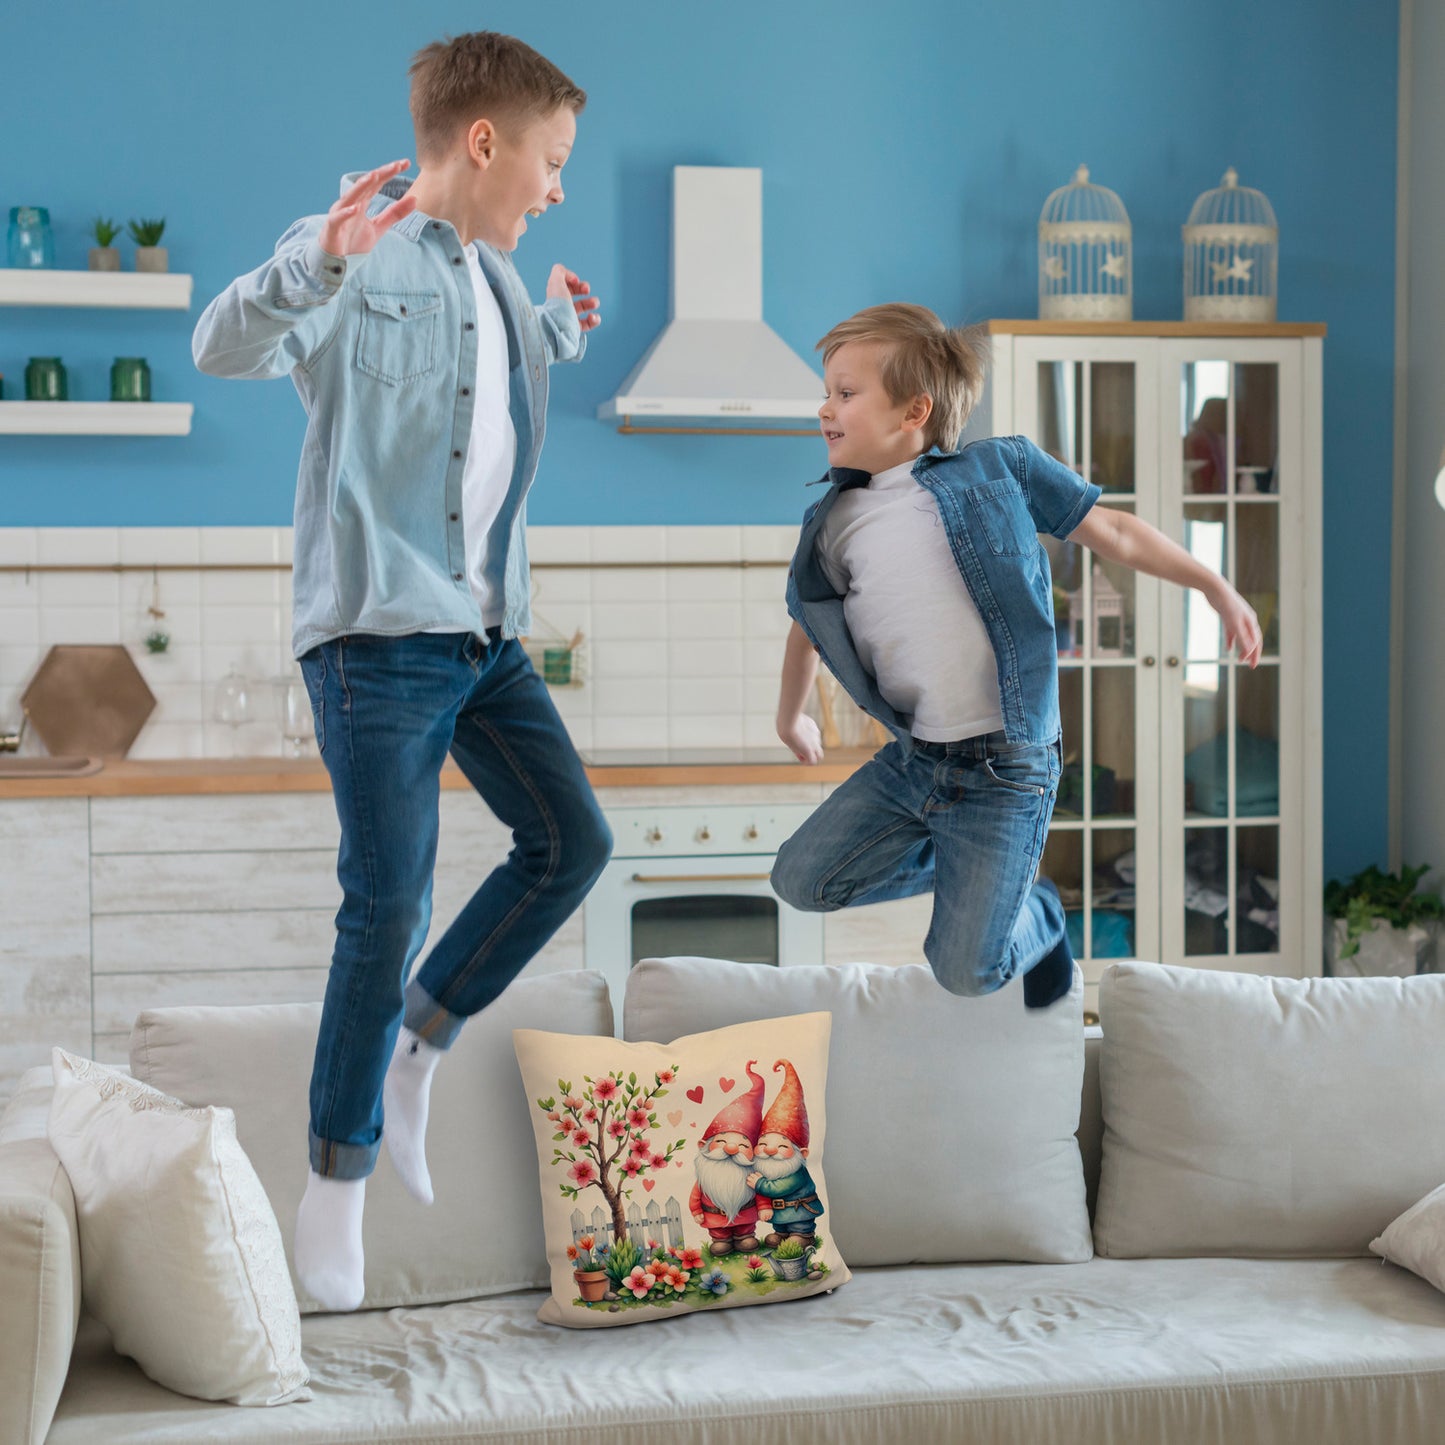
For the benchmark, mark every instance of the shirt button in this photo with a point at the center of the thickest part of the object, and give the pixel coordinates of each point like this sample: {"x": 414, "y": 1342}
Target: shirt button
{"x": 436, "y": 225}
{"x": 453, "y": 517}
{"x": 457, "y": 576}
{"x": 466, "y": 391}
{"x": 456, "y": 260}
{"x": 470, "y": 327}
{"x": 456, "y": 454}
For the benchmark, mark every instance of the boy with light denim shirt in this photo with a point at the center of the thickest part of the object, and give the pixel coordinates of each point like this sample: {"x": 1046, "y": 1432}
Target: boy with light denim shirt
{"x": 920, "y": 581}
{"x": 422, "y": 365}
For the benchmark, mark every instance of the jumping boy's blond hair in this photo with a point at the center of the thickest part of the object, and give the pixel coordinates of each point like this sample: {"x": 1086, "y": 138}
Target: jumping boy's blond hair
{"x": 455, "y": 82}
{"x": 923, "y": 356}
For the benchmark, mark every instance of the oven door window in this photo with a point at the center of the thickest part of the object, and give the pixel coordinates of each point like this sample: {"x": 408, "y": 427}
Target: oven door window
{"x": 712, "y": 925}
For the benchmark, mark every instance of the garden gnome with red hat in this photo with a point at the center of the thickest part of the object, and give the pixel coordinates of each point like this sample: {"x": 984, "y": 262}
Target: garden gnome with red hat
{"x": 722, "y": 1199}
{"x": 780, "y": 1175}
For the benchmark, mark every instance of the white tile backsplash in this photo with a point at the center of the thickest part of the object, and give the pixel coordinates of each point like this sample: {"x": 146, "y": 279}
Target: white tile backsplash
{"x": 681, "y": 656}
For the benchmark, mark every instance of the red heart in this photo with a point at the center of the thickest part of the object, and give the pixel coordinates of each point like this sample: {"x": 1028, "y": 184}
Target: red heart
{"x": 648, "y": 1183}
{"x": 695, "y": 1094}
{"x": 674, "y": 1117}
{"x": 726, "y": 1084}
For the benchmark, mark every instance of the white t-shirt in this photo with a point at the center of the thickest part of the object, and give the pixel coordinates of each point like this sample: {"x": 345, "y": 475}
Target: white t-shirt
{"x": 913, "y": 620}
{"x": 487, "y": 472}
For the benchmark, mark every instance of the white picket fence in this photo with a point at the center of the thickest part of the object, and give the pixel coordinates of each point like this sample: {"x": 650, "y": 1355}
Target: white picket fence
{"x": 660, "y": 1222}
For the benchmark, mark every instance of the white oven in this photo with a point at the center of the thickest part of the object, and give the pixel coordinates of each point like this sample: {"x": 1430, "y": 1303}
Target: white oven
{"x": 693, "y": 879}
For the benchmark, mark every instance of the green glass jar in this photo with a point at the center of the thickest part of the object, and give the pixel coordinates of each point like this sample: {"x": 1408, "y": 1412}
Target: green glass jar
{"x": 130, "y": 379}
{"x": 45, "y": 379}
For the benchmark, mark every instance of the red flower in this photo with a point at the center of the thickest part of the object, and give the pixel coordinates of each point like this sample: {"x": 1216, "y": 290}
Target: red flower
{"x": 581, "y": 1137}
{"x": 639, "y": 1282}
{"x": 665, "y": 1076}
{"x": 591, "y": 1116}
{"x": 586, "y": 1241}
{"x": 555, "y": 1116}
{"x": 658, "y": 1161}
{"x": 571, "y": 1251}
{"x": 583, "y": 1172}
{"x": 674, "y": 1278}
{"x": 605, "y": 1088}
{"x": 637, "y": 1118}
{"x": 754, "y": 1262}
{"x": 632, "y": 1167}
{"x": 641, "y": 1148}
{"x": 617, "y": 1128}
{"x": 572, "y": 1102}
{"x": 690, "y": 1258}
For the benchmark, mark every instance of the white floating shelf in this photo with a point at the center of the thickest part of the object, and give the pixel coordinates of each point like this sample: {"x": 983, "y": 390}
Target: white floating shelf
{"x": 96, "y": 418}
{"x": 160, "y": 291}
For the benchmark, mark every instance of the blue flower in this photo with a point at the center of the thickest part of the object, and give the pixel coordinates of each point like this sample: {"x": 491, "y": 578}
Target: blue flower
{"x": 604, "y": 1250}
{"x": 713, "y": 1282}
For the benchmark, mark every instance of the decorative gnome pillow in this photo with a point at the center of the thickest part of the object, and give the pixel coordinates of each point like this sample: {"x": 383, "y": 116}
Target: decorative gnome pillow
{"x": 682, "y": 1176}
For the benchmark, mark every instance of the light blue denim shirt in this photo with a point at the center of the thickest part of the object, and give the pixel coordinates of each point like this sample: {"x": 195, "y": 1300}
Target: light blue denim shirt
{"x": 383, "y": 351}
{"x": 994, "y": 497}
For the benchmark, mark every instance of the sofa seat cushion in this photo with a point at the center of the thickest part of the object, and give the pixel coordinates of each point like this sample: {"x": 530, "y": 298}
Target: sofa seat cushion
{"x": 1334, "y": 1352}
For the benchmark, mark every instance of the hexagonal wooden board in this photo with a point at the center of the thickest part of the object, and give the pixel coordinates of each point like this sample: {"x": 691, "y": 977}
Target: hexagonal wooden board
{"x": 88, "y": 700}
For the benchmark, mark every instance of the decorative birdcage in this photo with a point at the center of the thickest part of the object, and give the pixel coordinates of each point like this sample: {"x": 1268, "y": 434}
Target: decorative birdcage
{"x": 1086, "y": 265}
{"x": 1231, "y": 255}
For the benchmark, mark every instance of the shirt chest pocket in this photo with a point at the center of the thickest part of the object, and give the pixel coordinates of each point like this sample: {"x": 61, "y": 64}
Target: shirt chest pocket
{"x": 397, "y": 341}
{"x": 1003, "y": 518}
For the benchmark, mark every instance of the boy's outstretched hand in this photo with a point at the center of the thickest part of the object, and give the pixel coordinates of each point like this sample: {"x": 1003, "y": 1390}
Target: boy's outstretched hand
{"x": 563, "y": 282}
{"x": 1241, "y": 626}
{"x": 348, "y": 230}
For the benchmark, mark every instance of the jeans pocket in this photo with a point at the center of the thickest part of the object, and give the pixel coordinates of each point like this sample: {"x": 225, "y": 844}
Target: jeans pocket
{"x": 397, "y": 340}
{"x": 1025, "y": 771}
{"x": 313, "y": 673}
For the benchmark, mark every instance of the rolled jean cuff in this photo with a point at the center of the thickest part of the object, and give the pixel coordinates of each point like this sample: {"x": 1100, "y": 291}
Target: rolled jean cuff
{"x": 426, "y": 1018}
{"x": 342, "y": 1161}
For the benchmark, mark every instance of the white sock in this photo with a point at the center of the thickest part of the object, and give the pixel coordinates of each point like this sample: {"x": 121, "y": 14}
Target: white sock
{"x": 329, "y": 1258}
{"x": 405, "y": 1099}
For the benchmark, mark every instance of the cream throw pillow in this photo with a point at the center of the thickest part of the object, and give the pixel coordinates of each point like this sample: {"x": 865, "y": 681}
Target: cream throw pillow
{"x": 1416, "y": 1240}
{"x": 641, "y": 1223}
{"x": 181, "y": 1256}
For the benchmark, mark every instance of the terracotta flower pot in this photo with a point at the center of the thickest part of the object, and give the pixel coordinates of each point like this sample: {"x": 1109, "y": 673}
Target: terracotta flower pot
{"x": 591, "y": 1283}
{"x": 104, "y": 258}
{"x": 152, "y": 258}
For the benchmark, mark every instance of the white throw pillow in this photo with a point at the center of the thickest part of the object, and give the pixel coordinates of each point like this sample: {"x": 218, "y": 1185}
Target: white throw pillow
{"x": 1266, "y": 1117}
{"x": 181, "y": 1258}
{"x": 482, "y": 1235}
{"x": 953, "y": 1119}
{"x": 653, "y": 1200}
{"x": 1416, "y": 1240}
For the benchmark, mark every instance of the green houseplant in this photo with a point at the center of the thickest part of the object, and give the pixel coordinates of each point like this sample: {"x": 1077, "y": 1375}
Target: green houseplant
{"x": 1382, "y": 923}
{"x": 150, "y": 255}
{"x": 103, "y": 255}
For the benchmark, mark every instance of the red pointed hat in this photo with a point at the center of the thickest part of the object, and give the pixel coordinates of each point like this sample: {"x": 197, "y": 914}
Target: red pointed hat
{"x": 744, "y": 1114}
{"x": 789, "y": 1114}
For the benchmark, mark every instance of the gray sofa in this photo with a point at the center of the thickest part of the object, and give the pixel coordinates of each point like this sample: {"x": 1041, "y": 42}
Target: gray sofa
{"x": 1336, "y": 1348}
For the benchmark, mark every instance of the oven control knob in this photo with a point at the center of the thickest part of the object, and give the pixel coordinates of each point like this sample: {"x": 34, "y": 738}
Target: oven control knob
{"x": 703, "y": 835}
{"x": 751, "y": 832}
{"x": 653, "y": 835}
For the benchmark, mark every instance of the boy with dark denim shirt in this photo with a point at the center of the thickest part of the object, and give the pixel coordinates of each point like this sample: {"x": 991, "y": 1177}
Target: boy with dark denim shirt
{"x": 422, "y": 365}
{"x": 920, "y": 581}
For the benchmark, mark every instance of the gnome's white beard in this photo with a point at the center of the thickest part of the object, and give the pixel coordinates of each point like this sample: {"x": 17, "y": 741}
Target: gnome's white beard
{"x": 725, "y": 1182}
{"x": 771, "y": 1167}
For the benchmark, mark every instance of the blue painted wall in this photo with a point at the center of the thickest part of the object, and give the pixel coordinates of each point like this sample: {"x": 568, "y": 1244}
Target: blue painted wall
{"x": 906, "y": 153}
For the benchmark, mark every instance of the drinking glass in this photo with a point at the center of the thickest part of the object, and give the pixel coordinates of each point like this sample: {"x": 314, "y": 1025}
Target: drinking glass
{"x": 233, "y": 703}
{"x": 297, "y": 724}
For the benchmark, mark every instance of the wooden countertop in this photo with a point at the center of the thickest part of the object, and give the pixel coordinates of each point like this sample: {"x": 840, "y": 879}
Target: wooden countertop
{"x": 125, "y": 778}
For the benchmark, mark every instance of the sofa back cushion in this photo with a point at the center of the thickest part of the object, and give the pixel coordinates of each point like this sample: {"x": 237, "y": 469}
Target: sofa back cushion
{"x": 951, "y": 1120}
{"x": 482, "y": 1236}
{"x": 1269, "y": 1117}
{"x": 39, "y": 1265}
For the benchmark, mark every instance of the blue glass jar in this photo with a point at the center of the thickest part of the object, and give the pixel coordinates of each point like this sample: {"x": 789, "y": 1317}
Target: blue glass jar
{"x": 30, "y": 243}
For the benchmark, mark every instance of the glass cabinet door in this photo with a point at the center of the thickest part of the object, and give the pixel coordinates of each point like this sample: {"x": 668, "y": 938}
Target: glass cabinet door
{"x": 1092, "y": 404}
{"x": 1231, "y": 497}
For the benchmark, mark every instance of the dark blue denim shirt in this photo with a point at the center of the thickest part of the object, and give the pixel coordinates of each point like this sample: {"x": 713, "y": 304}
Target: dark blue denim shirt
{"x": 995, "y": 497}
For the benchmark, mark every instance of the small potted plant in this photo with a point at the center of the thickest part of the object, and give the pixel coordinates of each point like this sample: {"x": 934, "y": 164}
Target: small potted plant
{"x": 790, "y": 1259}
{"x": 150, "y": 255}
{"x": 587, "y": 1268}
{"x": 1382, "y": 924}
{"x": 104, "y": 256}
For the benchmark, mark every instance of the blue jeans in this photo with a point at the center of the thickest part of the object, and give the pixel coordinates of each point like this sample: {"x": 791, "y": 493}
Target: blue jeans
{"x": 388, "y": 710}
{"x": 966, "y": 819}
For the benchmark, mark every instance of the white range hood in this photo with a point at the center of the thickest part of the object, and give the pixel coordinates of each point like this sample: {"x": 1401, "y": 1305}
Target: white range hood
{"x": 717, "y": 357}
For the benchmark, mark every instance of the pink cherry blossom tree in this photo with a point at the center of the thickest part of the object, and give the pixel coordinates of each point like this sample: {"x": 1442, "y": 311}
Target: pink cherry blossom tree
{"x": 603, "y": 1139}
